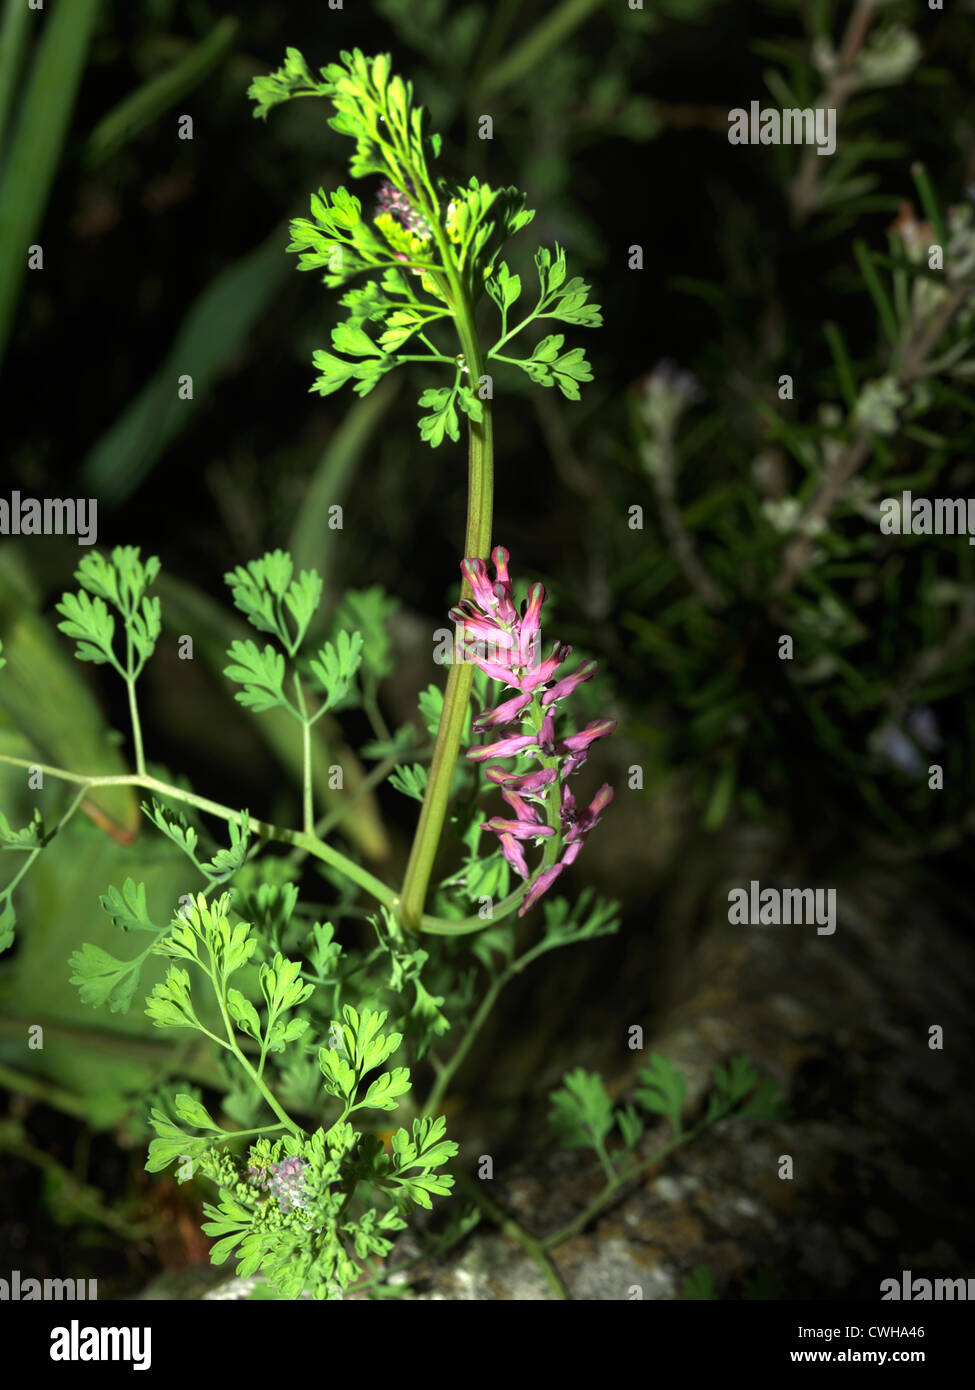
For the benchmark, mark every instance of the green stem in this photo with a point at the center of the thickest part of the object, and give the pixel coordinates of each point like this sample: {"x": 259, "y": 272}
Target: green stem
{"x": 255, "y": 1077}
{"x": 25, "y": 867}
{"x": 239, "y": 1133}
{"x": 509, "y": 1227}
{"x": 371, "y": 780}
{"x": 140, "y": 758}
{"x": 477, "y": 545}
{"x": 424, "y": 357}
{"x": 308, "y": 809}
{"x": 612, "y": 1188}
{"x": 310, "y": 843}
{"x": 370, "y": 705}
{"x": 447, "y": 1072}
{"x": 604, "y": 1159}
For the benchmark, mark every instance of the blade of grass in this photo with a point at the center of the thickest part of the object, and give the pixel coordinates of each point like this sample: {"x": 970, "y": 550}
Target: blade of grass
{"x": 526, "y": 56}
{"x": 841, "y": 361}
{"x": 38, "y": 143}
{"x": 929, "y": 200}
{"x": 878, "y": 294}
{"x": 13, "y": 37}
{"x": 220, "y": 318}
{"x": 311, "y": 541}
{"x": 148, "y": 102}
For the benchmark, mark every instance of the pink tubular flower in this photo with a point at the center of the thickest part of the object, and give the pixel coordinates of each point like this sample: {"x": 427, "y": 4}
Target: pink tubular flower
{"x": 504, "y": 714}
{"x": 563, "y": 688}
{"x": 515, "y": 855}
{"x": 577, "y": 827}
{"x": 528, "y": 784}
{"x": 507, "y": 650}
{"x": 541, "y": 885}
{"x": 546, "y": 669}
{"x": 502, "y": 749}
{"x": 520, "y": 829}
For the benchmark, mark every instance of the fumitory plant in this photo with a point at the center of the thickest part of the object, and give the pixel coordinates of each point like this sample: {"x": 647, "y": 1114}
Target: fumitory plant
{"x": 313, "y": 1037}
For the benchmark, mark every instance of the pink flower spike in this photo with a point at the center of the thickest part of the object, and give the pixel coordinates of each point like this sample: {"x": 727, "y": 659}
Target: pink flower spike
{"x": 567, "y": 684}
{"x": 541, "y": 885}
{"x": 504, "y": 748}
{"x": 546, "y": 669}
{"x": 514, "y": 854}
{"x": 504, "y": 714}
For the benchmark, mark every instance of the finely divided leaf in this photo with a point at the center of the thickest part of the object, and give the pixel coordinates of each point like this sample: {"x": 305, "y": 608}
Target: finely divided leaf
{"x": 334, "y": 668}
{"x": 582, "y": 1112}
{"x": 260, "y": 673}
{"x": 663, "y": 1091}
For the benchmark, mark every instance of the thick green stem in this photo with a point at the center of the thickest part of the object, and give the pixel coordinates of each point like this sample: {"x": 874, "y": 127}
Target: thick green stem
{"x": 477, "y": 545}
